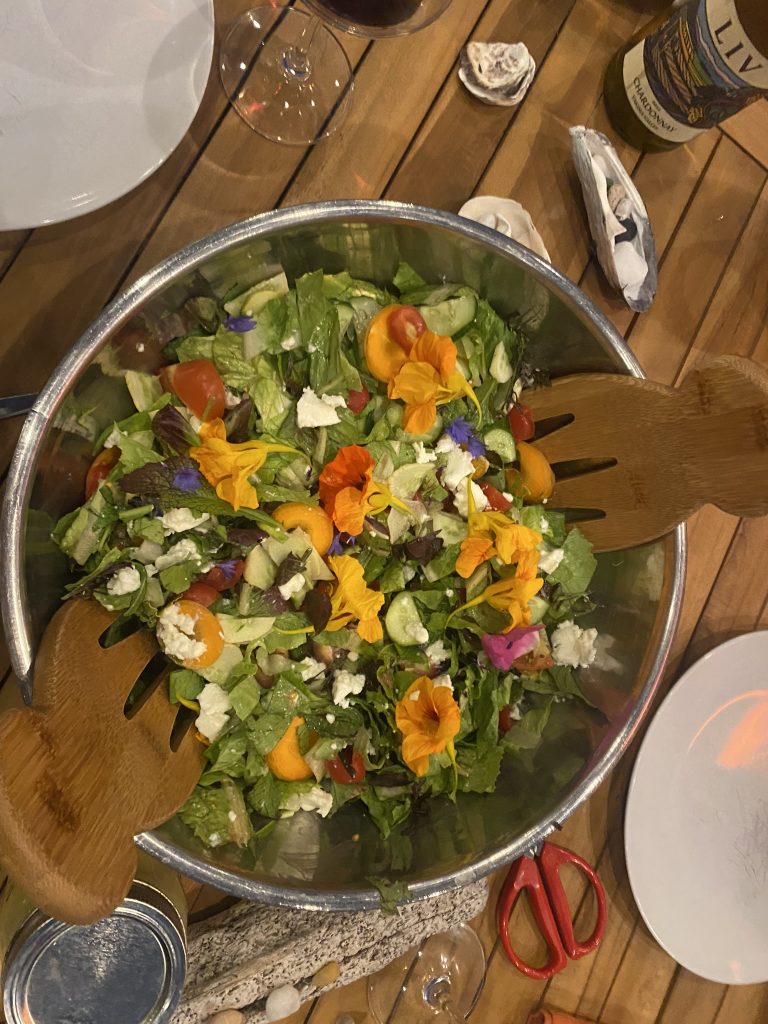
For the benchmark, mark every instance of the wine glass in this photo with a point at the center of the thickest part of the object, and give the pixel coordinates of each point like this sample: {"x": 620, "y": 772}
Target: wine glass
{"x": 441, "y": 984}
{"x": 286, "y": 73}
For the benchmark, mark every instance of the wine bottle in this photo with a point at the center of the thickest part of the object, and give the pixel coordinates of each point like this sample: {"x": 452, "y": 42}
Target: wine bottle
{"x": 688, "y": 70}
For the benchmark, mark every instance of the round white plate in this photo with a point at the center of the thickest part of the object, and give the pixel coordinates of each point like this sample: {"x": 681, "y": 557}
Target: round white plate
{"x": 94, "y": 96}
{"x": 696, "y": 829}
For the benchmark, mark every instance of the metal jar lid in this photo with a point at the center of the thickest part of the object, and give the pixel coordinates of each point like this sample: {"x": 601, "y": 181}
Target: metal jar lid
{"x": 128, "y": 968}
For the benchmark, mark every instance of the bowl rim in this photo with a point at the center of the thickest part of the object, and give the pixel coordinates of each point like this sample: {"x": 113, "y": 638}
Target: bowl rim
{"x": 21, "y": 473}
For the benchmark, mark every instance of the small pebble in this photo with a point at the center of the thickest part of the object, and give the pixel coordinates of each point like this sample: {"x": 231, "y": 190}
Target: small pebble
{"x": 326, "y": 975}
{"x": 227, "y": 1017}
{"x": 282, "y": 1002}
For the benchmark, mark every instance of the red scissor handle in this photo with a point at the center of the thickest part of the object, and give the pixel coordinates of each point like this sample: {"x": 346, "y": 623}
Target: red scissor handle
{"x": 551, "y": 860}
{"x": 550, "y": 908}
{"x": 525, "y": 874}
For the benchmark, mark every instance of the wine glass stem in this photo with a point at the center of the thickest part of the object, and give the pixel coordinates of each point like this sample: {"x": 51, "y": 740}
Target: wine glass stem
{"x": 296, "y": 57}
{"x": 438, "y": 994}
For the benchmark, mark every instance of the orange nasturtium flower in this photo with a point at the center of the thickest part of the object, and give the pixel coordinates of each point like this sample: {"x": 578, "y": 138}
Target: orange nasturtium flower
{"x": 348, "y": 491}
{"x": 428, "y": 718}
{"x": 423, "y": 377}
{"x": 351, "y": 599}
{"x": 510, "y": 595}
{"x": 228, "y": 466}
{"x": 492, "y": 534}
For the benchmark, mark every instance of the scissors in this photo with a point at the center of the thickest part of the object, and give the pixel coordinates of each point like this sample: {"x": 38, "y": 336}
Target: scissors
{"x": 539, "y": 873}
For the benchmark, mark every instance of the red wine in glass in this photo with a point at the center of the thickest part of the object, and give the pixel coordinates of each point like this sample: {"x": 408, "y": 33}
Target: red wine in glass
{"x": 381, "y": 14}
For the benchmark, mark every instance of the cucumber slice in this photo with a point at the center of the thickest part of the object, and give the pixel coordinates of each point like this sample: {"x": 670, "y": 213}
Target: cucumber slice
{"x": 256, "y": 298}
{"x": 501, "y": 441}
{"x": 345, "y": 312}
{"x": 451, "y": 315}
{"x": 244, "y": 630}
{"x": 501, "y": 367}
{"x": 219, "y": 671}
{"x": 260, "y": 570}
{"x": 539, "y": 608}
{"x": 402, "y": 620}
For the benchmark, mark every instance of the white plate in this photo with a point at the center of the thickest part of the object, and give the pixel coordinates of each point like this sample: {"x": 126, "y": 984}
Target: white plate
{"x": 696, "y": 829}
{"x": 94, "y": 96}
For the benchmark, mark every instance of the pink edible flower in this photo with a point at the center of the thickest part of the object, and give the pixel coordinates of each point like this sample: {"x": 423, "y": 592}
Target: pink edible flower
{"x": 504, "y": 648}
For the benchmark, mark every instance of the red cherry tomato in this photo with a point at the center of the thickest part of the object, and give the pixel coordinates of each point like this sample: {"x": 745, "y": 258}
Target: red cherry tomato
{"x": 347, "y": 768}
{"x": 405, "y": 324}
{"x": 200, "y": 593}
{"x": 99, "y": 469}
{"x": 225, "y": 575}
{"x": 506, "y": 721}
{"x": 496, "y": 500}
{"x": 520, "y": 419}
{"x": 198, "y": 385}
{"x": 357, "y": 400}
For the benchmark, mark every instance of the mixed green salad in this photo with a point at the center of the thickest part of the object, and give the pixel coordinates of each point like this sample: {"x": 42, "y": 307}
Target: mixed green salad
{"x": 327, "y": 506}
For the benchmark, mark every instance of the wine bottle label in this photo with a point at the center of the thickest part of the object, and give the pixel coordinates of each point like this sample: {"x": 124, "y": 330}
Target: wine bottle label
{"x": 697, "y": 69}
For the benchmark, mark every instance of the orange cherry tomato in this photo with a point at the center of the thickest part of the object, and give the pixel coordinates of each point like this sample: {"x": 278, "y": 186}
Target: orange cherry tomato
{"x": 496, "y": 500}
{"x": 405, "y": 324}
{"x": 520, "y": 419}
{"x": 357, "y": 400}
{"x": 206, "y": 630}
{"x": 201, "y": 593}
{"x": 99, "y": 470}
{"x": 225, "y": 575}
{"x": 347, "y": 768}
{"x": 198, "y": 385}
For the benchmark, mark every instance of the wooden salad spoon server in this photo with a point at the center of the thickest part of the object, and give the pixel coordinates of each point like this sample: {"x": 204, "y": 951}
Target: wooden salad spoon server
{"x": 636, "y": 458}
{"x": 79, "y": 776}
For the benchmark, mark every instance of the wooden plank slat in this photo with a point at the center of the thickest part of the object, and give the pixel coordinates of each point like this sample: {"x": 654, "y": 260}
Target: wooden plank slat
{"x": 460, "y": 134}
{"x": 749, "y": 128}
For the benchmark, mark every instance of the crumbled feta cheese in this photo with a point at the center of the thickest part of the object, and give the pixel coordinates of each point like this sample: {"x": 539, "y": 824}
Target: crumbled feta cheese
{"x": 574, "y": 646}
{"x": 443, "y": 680}
{"x": 458, "y": 467}
{"x": 231, "y": 815}
{"x": 231, "y": 399}
{"x": 461, "y": 501}
{"x": 449, "y": 592}
{"x": 125, "y": 581}
{"x": 344, "y": 684}
{"x": 214, "y": 839}
{"x": 113, "y": 437}
{"x": 508, "y": 496}
{"x": 315, "y": 800}
{"x": 417, "y": 632}
{"x": 415, "y": 695}
{"x": 330, "y": 718}
{"x": 514, "y": 712}
{"x": 544, "y": 525}
{"x": 437, "y": 652}
{"x": 291, "y": 586}
{"x": 214, "y": 704}
{"x": 311, "y": 347}
{"x": 318, "y": 410}
{"x": 176, "y": 635}
{"x": 408, "y": 573}
{"x": 147, "y": 552}
{"x": 178, "y": 520}
{"x": 310, "y": 668}
{"x": 550, "y": 558}
{"x": 182, "y": 551}
{"x": 422, "y": 455}
{"x": 289, "y": 343}
{"x": 445, "y": 444}
{"x": 352, "y": 656}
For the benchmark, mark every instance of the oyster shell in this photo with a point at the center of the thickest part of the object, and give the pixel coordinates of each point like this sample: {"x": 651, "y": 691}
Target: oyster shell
{"x": 497, "y": 73}
{"x": 508, "y": 217}
{"x": 618, "y": 218}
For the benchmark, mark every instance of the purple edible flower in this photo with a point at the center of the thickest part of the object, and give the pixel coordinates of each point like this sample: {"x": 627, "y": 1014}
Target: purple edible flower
{"x": 461, "y": 432}
{"x": 504, "y": 648}
{"x": 339, "y": 542}
{"x": 187, "y": 479}
{"x": 239, "y": 324}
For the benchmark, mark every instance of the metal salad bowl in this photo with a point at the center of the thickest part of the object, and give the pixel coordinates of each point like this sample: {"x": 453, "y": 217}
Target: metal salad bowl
{"x": 307, "y": 861}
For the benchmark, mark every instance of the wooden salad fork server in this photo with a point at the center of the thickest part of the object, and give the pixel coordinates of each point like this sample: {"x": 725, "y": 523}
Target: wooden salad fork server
{"x": 636, "y": 458}
{"x": 80, "y": 777}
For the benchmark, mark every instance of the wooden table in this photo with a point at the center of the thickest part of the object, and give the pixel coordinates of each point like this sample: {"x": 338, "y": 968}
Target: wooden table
{"x": 414, "y": 134}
